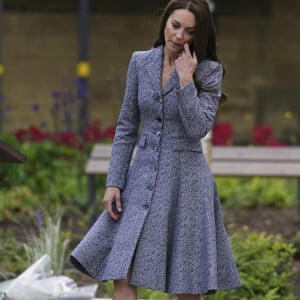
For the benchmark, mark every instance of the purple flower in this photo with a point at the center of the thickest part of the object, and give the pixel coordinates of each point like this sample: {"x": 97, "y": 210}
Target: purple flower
{"x": 82, "y": 91}
{"x": 39, "y": 219}
{"x": 55, "y": 94}
{"x": 35, "y": 107}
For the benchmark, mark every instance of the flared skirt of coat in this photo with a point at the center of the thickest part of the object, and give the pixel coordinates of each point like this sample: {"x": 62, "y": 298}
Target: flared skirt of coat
{"x": 171, "y": 229}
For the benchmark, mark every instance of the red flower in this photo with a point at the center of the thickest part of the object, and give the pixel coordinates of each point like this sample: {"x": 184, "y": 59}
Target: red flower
{"x": 93, "y": 132}
{"x": 274, "y": 143}
{"x": 109, "y": 132}
{"x": 222, "y": 134}
{"x": 31, "y": 134}
{"x": 262, "y": 134}
{"x": 68, "y": 138}
{"x": 22, "y": 135}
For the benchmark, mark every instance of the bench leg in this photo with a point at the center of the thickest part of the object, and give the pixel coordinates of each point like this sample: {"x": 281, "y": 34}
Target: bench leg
{"x": 92, "y": 198}
{"x": 91, "y": 190}
{"x": 298, "y": 199}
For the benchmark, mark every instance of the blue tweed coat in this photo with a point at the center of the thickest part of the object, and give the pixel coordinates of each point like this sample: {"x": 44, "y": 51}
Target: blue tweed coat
{"x": 171, "y": 226}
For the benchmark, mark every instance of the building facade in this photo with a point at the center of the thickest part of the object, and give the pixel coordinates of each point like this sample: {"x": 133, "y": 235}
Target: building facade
{"x": 258, "y": 41}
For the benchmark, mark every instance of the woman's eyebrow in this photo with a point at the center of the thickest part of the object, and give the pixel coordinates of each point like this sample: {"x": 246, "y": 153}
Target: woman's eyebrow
{"x": 178, "y": 23}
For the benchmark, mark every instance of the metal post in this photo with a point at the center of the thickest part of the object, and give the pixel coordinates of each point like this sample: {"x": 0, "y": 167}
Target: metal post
{"x": 91, "y": 198}
{"x": 83, "y": 67}
{"x": 1, "y": 69}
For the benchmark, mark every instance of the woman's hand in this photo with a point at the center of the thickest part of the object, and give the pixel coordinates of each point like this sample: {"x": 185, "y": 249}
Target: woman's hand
{"x": 112, "y": 202}
{"x": 185, "y": 65}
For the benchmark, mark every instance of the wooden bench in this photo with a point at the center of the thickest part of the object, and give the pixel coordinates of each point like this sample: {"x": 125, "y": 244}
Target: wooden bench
{"x": 224, "y": 161}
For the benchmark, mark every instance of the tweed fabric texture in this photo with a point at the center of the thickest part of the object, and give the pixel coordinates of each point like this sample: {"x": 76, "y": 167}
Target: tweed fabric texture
{"x": 171, "y": 227}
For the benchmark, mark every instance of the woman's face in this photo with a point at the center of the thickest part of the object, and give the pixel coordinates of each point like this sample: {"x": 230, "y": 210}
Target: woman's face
{"x": 180, "y": 28}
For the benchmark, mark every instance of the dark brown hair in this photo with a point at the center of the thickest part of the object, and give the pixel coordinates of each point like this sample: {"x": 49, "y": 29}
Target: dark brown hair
{"x": 204, "y": 38}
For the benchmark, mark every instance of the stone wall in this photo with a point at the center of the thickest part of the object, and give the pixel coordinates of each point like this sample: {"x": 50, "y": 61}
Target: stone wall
{"x": 260, "y": 53}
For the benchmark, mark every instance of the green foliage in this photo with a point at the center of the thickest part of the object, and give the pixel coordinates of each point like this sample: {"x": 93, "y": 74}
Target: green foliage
{"x": 19, "y": 199}
{"x": 12, "y": 256}
{"x": 264, "y": 264}
{"x": 155, "y": 295}
{"x": 50, "y": 171}
{"x": 106, "y": 290}
{"x": 257, "y": 191}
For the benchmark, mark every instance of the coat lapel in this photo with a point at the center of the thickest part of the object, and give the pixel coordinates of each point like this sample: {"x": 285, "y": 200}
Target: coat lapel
{"x": 171, "y": 84}
{"x": 154, "y": 69}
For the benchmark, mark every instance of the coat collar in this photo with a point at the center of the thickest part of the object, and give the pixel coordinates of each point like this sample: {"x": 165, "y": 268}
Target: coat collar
{"x": 154, "y": 69}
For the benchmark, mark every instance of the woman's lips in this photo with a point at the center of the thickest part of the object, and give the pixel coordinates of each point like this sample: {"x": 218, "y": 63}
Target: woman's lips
{"x": 176, "y": 45}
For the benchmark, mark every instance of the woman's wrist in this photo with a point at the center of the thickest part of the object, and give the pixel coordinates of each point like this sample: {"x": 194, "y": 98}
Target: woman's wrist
{"x": 184, "y": 81}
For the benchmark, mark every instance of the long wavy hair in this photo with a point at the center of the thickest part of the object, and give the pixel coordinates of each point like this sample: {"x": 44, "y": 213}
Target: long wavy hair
{"x": 204, "y": 38}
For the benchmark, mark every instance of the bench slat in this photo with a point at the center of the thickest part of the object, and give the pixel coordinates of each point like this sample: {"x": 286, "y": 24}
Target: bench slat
{"x": 256, "y": 153}
{"x": 225, "y": 161}
{"x": 101, "y": 151}
{"x": 97, "y": 167}
{"x": 219, "y": 168}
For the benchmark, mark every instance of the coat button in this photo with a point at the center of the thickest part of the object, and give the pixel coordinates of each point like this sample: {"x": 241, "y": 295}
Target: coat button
{"x": 159, "y": 98}
{"x": 146, "y": 206}
{"x": 150, "y": 188}
{"x": 158, "y": 119}
{"x": 158, "y": 133}
{"x": 156, "y": 149}
{"x": 154, "y": 168}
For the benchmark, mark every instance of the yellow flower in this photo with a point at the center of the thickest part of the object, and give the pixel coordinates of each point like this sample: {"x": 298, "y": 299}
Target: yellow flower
{"x": 288, "y": 115}
{"x": 83, "y": 69}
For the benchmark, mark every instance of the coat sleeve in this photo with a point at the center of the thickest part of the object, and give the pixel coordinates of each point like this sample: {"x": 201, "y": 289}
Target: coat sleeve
{"x": 198, "y": 110}
{"x": 126, "y": 131}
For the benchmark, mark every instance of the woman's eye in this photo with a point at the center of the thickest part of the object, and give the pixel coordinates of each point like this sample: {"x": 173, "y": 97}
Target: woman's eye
{"x": 191, "y": 32}
{"x": 175, "y": 25}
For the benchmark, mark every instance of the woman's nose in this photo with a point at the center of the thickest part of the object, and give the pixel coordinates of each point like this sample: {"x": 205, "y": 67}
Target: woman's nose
{"x": 179, "y": 34}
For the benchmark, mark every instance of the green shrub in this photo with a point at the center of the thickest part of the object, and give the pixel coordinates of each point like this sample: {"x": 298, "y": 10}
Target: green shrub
{"x": 264, "y": 264}
{"x": 12, "y": 256}
{"x": 257, "y": 191}
{"x": 50, "y": 171}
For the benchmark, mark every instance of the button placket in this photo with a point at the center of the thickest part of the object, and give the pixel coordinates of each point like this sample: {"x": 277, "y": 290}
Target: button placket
{"x": 155, "y": 146}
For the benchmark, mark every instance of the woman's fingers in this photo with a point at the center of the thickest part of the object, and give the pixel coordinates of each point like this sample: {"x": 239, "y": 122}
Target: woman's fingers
{"x": 187, "y": 49}
{"x": 186, "y": 64}
{"x": 195, "y": 58}
{"x": 112, "y": 202}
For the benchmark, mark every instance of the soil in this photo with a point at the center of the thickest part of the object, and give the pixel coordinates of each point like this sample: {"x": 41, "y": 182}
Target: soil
{"x": 284, "y": 222}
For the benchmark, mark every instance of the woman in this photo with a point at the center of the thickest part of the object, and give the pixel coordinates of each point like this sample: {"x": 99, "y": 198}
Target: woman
{"x": 162, "y": 227}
